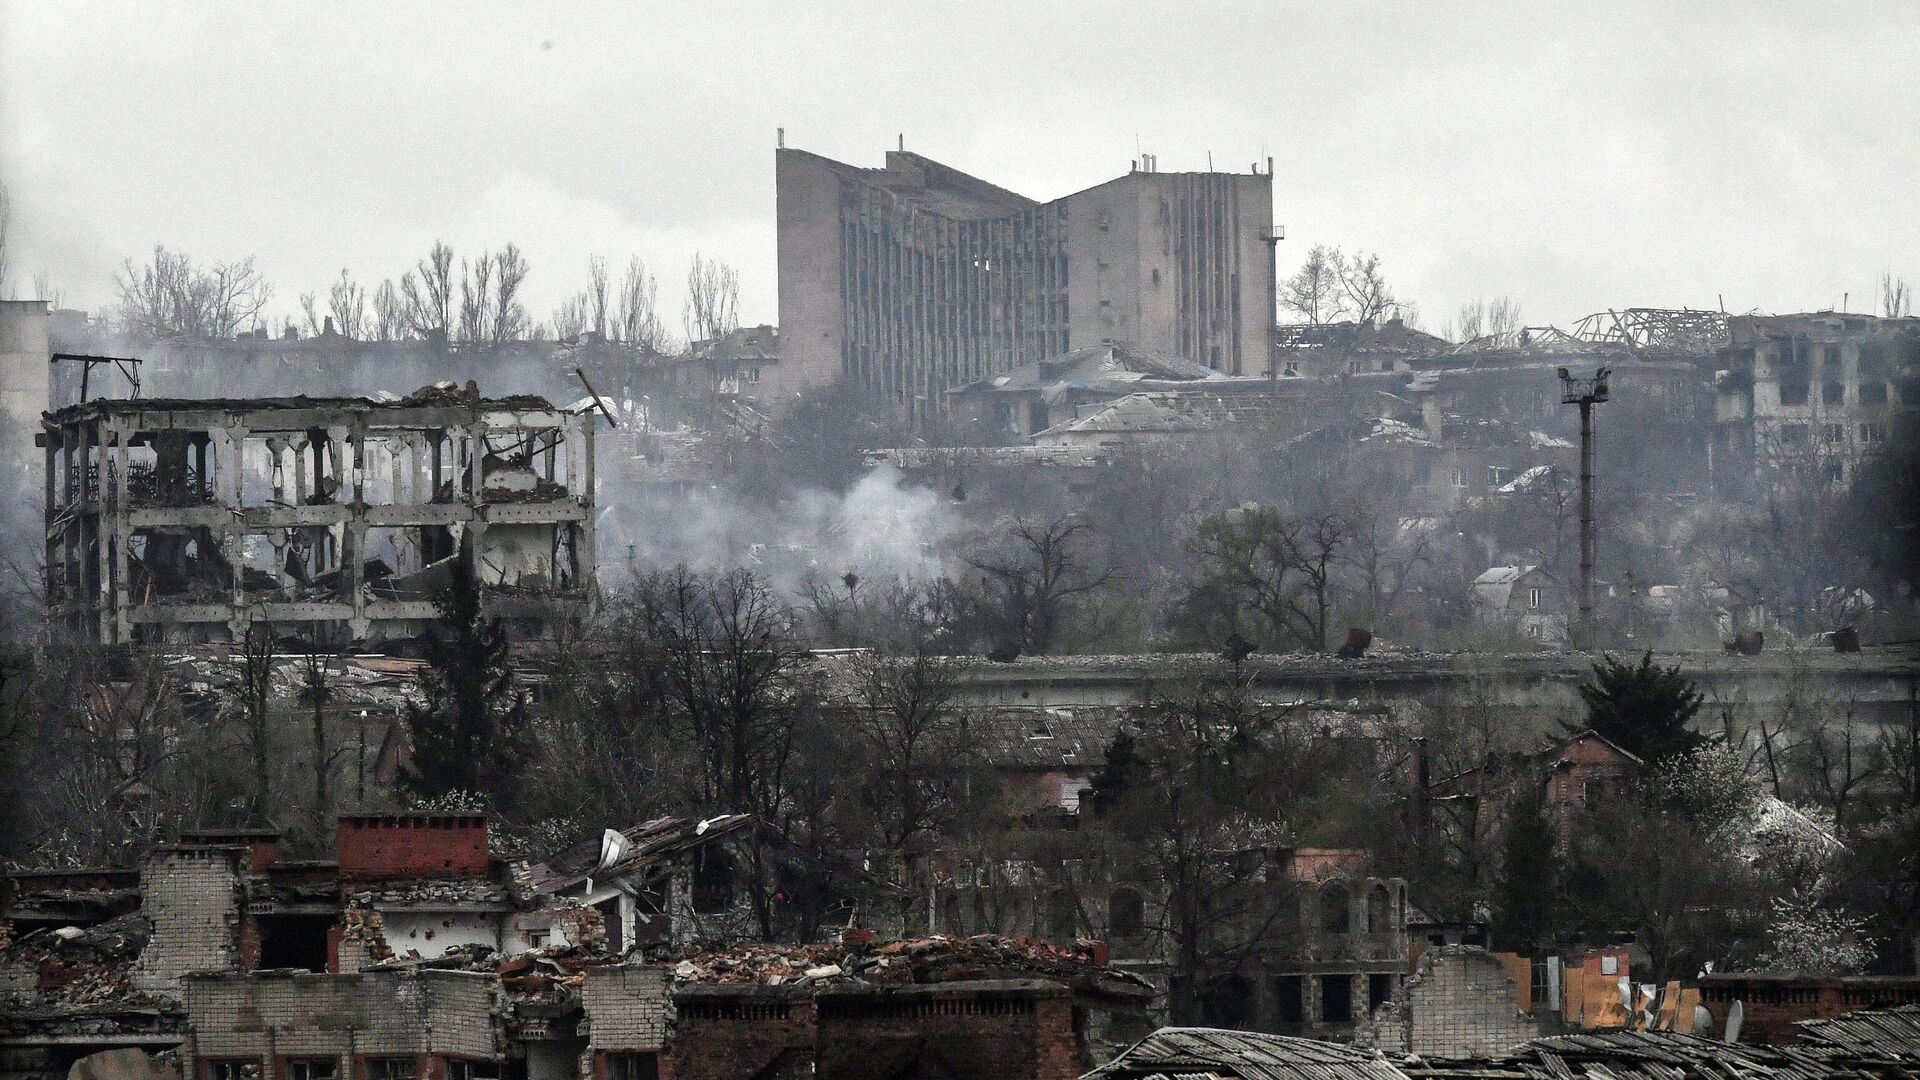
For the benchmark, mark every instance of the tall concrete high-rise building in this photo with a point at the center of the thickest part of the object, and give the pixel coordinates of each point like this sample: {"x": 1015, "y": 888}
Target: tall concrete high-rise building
{"x": 915, "y": 278}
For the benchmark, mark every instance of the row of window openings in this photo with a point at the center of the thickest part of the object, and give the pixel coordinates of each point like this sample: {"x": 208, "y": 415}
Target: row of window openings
{"x": 1833, "y": 393}
{"x": 1796, "y": 434}
{"x": 636, "y": 1066}
{"x": 1336, "y": 997}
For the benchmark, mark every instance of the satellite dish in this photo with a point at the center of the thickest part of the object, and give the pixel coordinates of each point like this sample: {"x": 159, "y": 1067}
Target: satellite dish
{"x": 1733, "y": 1022}
{"x": 1702, "y": 1020}
{"x": 613, "y": 846}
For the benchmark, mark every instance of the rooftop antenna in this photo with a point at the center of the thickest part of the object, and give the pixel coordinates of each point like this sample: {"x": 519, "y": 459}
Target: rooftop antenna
{"x": 903, "y": 142}
{"x": 780, "y": 138}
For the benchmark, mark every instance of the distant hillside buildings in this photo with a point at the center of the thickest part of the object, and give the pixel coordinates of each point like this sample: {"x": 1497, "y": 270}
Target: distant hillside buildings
{"x": 915, "y": 278}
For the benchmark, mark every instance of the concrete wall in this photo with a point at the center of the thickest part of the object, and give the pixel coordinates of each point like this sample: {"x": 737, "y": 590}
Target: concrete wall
{"x": 807, "y": 206}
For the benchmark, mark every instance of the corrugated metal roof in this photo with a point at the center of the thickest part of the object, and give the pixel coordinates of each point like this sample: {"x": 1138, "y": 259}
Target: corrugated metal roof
{"x": 1246, "y": 1055}
{"x": 1890, "y": 1032}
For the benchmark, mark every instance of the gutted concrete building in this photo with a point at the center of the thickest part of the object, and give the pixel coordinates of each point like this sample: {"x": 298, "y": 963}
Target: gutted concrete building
{"x": 914, "y": 278}
{"x": 187, "y": 520}
{"x": 1820, "y": 391}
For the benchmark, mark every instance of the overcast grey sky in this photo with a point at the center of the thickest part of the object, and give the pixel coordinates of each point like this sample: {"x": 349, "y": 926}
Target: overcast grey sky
{"x": 1574, "y": 157}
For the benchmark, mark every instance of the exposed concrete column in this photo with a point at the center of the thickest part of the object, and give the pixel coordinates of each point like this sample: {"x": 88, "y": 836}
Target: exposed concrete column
{"x": 354, "y": 545}
{"x": 230, "y": 465}
{"x": 122, "y": 536}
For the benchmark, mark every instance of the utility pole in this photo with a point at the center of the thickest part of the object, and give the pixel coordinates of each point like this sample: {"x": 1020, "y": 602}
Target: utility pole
{"x": 1585, "y": 393}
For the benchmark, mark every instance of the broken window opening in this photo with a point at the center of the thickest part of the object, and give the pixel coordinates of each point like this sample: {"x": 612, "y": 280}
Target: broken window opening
{"x": 1126, "y": 913}
{"x": 1379, "y": 910}
{"x": 294, "y": 941}
{"x": 712, "y": 882}
{"x": 1290, "y": 1000}
{"x": 312, "y": 1069}
{"x": 1336, "y": 999}
{"x": 636, "y": 1066}
{"x": 233, "y": 1069}
{"x": 1380, "y": 990}
{"x": 390, "y": 1068}
{"x": 465, "y": 1069}
{"x": 1334, "y": 916}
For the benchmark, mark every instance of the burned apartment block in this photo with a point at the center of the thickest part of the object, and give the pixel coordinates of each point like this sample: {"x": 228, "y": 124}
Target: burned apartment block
{"x": 915, "y": 278}
{"x": 182, "y": 521}
{"x": 1820, "y": 391}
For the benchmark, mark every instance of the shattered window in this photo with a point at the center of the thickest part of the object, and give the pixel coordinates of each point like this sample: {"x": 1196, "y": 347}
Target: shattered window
{"x": 1873, "y": 393}
{"x": 313, "y": 1069}
{"x": 473, "y": 1070}
{"x": 633, "y": 1067}
{"x": 246, "y": 1069}
{"x": 390, "y": 1068}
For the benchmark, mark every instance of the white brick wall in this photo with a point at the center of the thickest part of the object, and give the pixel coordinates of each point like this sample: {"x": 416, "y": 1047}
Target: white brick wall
{"x": 1460, "y": 1004}
{"x": 626, "y": 1007}
{"x": 192, "y": 898}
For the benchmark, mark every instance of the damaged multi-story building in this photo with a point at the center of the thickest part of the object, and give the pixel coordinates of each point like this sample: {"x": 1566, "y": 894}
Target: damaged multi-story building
{"x": 1825, "y": 389}
{"x": 178, "y": 521}
{"x": 914, "y": 278}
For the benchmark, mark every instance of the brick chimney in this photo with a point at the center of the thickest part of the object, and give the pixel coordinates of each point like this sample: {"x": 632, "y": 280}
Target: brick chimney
{"x": 376, "y": 846}
{"x": 263, "y": 845}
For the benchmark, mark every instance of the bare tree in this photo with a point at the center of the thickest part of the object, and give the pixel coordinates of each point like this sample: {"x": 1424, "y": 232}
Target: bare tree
{"x": 254, "y": 669}
{"x": 1367, "y": 295}
{"x": 509, "y": 318}
{"x": 173, "y": 296}
{"x": 1496, "y": 320}
{"x": 1896, "y": 301}
{"x": 1028, "y": 592}
{"x": 429, "y": 296}
{"x": 639, "y": 322}
{"x": 43, "y": 289}
{"x": 389, "y": 313}
{"x": 713, "y": 300}
{"x": 476, "y": 292}
{"x": 596, "y": 295}
{"x": 571, "y": 318}
{"x": 905, "y": 715}
{"x": 347, "y": 302}
{"x": 1314, "y": 292}
{"x": 311, "y": 313}
{"x": 729, "y": 667}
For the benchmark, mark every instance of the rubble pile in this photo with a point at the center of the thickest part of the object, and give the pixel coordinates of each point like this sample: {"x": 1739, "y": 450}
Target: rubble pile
{"x": 80, "y": 967}
{"x": 934, "y": 959}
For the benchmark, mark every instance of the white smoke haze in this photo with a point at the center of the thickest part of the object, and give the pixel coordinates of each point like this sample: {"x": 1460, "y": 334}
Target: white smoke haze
{"x": 882, "y": 527}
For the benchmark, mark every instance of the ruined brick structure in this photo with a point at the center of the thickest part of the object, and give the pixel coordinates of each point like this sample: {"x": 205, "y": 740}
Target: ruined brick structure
{"x": 1460, "y": 1002}
{"x": 389, "y": 1025}
{"x": 174, "y": 521}
{"x": 1014, "y": 1029}
{"x": 1773, "y": 1005}
{"x": 914, "y": 278}
{"x": 628, "y": 1018}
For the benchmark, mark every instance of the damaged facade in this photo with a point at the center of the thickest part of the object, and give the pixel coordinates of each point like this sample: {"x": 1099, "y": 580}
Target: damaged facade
{"x": 915, "y": 278}
{"x": 174, "y": 521}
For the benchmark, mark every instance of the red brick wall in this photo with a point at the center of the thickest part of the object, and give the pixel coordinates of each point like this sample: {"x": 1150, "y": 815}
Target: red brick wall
{"x": 443, "y": 846}
{"x": 716, "y": 1038}
{"x": 1018, "y": 1036}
